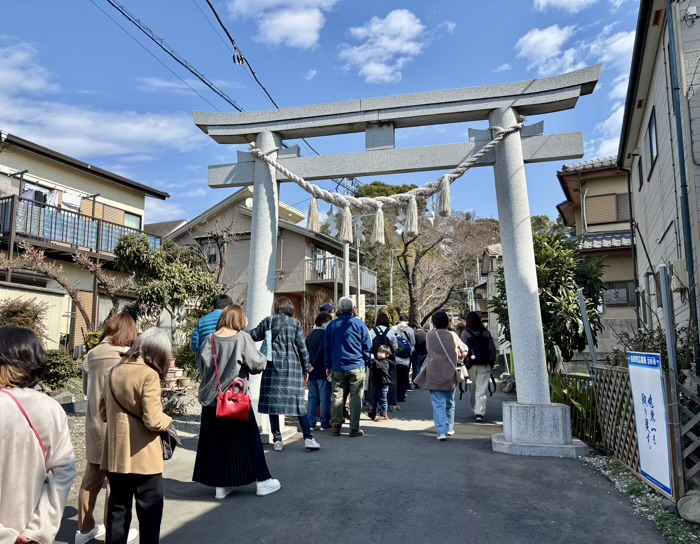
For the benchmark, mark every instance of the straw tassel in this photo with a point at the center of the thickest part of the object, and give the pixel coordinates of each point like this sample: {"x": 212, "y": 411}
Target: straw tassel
{"x": 346, "y": 226}
{"x": 312, "y": 222}
{"x": 444, "y": 204}
{"x": 412, "y": 217}
{"x": 378, "y": 232}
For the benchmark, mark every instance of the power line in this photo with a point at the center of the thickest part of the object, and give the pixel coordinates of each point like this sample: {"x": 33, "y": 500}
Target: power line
{"x": 170, "y": 51}
{"x": 212, "y": 26}
{"x": 240, "y": 58}
{"x": 153, "y": 55}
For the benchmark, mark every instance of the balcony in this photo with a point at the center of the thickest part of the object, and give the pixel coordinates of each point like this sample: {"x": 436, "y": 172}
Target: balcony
{"x": 329, "y": 270}
{"x": 59, "y": 229}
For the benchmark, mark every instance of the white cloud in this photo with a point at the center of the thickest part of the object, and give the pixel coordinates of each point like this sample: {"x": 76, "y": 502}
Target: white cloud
{"x": 503, "y": 68}
{"x": 387, "y": 45}
{"x": 616, "y": 4}
{"x": 295, "y": 23}
{"x": 78, "y": 130}
{"x": 619, "y": 87}
{"x": 572, "y": 6}
{"x": 195, "y": 193}
{"x": 310, "y": 75}
{"x": 160, "y": 210}
{"x": 609, "y": 132}
{"x": 188, "y": 86}
{"x": 542, "y": 49}
{"x": 449, "y": 26}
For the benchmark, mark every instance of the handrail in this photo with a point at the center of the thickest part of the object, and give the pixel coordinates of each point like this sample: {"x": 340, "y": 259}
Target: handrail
{"x": 330, "y": 268}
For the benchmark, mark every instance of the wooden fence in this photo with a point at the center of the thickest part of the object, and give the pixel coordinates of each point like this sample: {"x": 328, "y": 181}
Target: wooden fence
{"x": 689, "y": 405}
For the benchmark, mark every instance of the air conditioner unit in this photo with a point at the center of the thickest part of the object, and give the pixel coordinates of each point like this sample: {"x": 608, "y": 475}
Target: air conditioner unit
{"x": 679, "y": 276}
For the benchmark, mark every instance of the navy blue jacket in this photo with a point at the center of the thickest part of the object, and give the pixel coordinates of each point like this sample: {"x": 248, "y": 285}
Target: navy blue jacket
{"x": 314, "y": 343}
{"x": 347, "y": 345}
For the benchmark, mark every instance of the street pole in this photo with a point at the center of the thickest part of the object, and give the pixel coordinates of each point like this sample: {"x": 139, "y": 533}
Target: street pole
{"x": 391, "y": 278}
{"x": 357, "y": 264}
{"x": 346, "y": 270}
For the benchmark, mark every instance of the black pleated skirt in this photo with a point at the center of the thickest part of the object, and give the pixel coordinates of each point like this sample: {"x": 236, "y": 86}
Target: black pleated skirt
{"x": 225, "y": 451}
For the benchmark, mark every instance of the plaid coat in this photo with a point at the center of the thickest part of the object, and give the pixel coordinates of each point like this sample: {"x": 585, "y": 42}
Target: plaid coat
{"x": 282, "y": 385}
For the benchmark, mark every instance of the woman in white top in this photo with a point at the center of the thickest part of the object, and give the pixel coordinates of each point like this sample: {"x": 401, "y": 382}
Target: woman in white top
{"x": 383, "y": 328}
{"x": 37, "y": 465}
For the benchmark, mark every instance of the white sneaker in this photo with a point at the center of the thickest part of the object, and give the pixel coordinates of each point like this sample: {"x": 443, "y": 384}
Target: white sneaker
{"x": 267, "y": 487}
{"x": 223, "y": 492}
{"x": 96, "y": 532}
{"x": 311, "y": 444}
{"x": 450, "y": 433}
{"x": 278, "y": 446}
{"x": 132, "y": 536}
{"x": 442, "y": 436}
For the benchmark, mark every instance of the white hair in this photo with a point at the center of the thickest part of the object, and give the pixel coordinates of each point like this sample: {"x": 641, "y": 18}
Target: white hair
{"x": 154, "y": 347}
{"x": 345, "y": 305}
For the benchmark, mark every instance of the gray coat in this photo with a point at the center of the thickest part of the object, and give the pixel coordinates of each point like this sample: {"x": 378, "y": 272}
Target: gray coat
{"x": 232, "y": 354}
{"x": 282, "y": 385}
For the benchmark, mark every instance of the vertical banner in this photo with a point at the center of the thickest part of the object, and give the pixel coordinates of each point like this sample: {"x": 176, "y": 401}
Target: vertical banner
{"x": 649, "y": 400}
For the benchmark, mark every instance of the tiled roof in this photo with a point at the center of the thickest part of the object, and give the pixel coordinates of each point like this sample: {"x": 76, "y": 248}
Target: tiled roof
{"x": 603, "y": 240}
{"x": 606, "y": 162}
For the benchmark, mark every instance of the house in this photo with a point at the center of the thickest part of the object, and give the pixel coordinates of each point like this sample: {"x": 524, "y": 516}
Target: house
{"x": 309, "y": 265}
{"x": 491, "y": 261}
{"x": 64, "y": 206}
{"x": 665, "y": 186}
{"x": 598, "y": 206}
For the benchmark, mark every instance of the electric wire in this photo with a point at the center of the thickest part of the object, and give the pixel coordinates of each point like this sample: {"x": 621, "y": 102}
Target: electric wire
{"x": 170, "y": 51}
{"x": 153, "y": 55}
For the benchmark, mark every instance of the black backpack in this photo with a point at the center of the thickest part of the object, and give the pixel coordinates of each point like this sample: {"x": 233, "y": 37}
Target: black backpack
{"x": 381, "y": 339}
{"x": 479, "y": 350}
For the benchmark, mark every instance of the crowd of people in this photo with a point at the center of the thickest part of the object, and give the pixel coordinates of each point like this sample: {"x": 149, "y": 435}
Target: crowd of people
{"x": 343, "y": 364}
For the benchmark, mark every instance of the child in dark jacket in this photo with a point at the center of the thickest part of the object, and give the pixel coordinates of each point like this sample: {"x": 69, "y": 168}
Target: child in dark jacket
{"x": 381, "y": 380}
{"x": 318, "y": 384}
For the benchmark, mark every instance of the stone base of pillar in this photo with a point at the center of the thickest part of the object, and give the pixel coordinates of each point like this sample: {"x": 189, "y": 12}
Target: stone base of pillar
{"x": 537, "y": 430}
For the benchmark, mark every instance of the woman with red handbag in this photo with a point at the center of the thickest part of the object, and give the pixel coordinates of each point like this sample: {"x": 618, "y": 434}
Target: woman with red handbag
{"x": 230, "y": 452}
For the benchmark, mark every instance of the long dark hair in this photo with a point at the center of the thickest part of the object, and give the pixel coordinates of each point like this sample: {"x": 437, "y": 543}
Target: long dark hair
{"x": 382, "y": 320}
{"x": 474, "y": 322}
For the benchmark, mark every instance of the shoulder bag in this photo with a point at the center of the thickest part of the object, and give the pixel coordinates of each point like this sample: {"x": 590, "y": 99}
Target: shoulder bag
{"x": 230, "y": 404}
{"x": 270, "y": 337}
{"x": 168, "y": 438}
{"x": 26, "y": 416}
{"x": 460, "y": 369}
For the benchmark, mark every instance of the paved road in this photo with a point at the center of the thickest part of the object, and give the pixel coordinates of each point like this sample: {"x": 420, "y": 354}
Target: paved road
{"x": 398, "y": 484}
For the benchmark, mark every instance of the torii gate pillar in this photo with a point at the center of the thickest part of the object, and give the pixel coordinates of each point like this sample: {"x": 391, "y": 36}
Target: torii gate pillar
{"x": 533, "y": 425}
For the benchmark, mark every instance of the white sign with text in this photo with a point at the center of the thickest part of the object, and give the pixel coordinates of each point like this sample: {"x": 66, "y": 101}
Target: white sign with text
{"x": 649, "y": 401}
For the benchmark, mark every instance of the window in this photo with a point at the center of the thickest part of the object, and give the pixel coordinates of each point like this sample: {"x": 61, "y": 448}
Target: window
{"x": 652, "y": 142}
{"x": 132, "y": 220}
{"x": 640, "y": 172}
{"x": 212, "y": 256}
{"x": 619, "y": 293}
{"x": 603, "y": 209}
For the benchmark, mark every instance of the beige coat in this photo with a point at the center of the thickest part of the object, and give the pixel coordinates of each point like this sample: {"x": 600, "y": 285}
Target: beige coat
{"x": 133, "y": 446}
{"x": 33, "y": 493}
{"x": 438, "y": 372}
{"x": 98, "y": 361}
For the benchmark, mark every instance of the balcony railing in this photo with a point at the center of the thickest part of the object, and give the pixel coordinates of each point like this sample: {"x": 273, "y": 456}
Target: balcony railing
{"x": 330, "y": 269}
{"x": 27, "y": 218}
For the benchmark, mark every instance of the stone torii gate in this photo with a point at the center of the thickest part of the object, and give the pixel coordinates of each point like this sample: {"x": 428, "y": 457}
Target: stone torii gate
{"x": 532, "y": 425}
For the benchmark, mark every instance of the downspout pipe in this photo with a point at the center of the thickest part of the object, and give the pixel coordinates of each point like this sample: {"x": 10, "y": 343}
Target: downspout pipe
{"x": 685, "y": 204}
{"x": 634, "y": 250}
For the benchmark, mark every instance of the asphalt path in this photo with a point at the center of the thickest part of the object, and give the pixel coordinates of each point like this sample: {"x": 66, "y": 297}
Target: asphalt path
{"x": 398, "y": 484}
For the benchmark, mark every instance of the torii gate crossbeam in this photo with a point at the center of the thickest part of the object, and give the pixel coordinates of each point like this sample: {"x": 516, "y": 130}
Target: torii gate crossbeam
{"x": 533, "y": 425}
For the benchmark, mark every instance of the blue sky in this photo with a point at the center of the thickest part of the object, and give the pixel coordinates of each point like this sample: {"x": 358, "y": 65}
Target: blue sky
{"x": 74, "y": 81}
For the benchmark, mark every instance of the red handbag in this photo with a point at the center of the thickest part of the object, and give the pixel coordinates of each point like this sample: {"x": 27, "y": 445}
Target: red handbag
{"x": 230, "y": 405}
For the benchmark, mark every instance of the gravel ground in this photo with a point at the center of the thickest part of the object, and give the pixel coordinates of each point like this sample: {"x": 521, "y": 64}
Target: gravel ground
{"x": 647, "y": 502}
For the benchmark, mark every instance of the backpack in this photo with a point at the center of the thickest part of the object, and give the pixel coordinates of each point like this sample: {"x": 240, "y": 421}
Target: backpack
{"x": 479, "y": 350}
{"x": 380, "y": 339}
{"x": 404, "y": 346}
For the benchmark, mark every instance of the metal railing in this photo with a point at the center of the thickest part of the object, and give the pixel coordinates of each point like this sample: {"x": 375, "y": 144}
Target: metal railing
{"x": 36, "y": 220}
{"x": 330, "y": 269}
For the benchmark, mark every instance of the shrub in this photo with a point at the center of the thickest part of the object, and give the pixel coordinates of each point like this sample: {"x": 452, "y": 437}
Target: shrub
{"x": 185, "y": 358}
{"x": 26, "y": 313}
{"x": 91, "y": 340}
{"x": 60, "y": 369}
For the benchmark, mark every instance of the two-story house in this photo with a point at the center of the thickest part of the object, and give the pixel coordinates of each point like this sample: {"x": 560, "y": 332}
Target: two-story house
{"x": 598, "y": 206}
{"x": 309, "y": 265}
{"x": 663, "y": 183}
{"x": 63, "y": 206}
